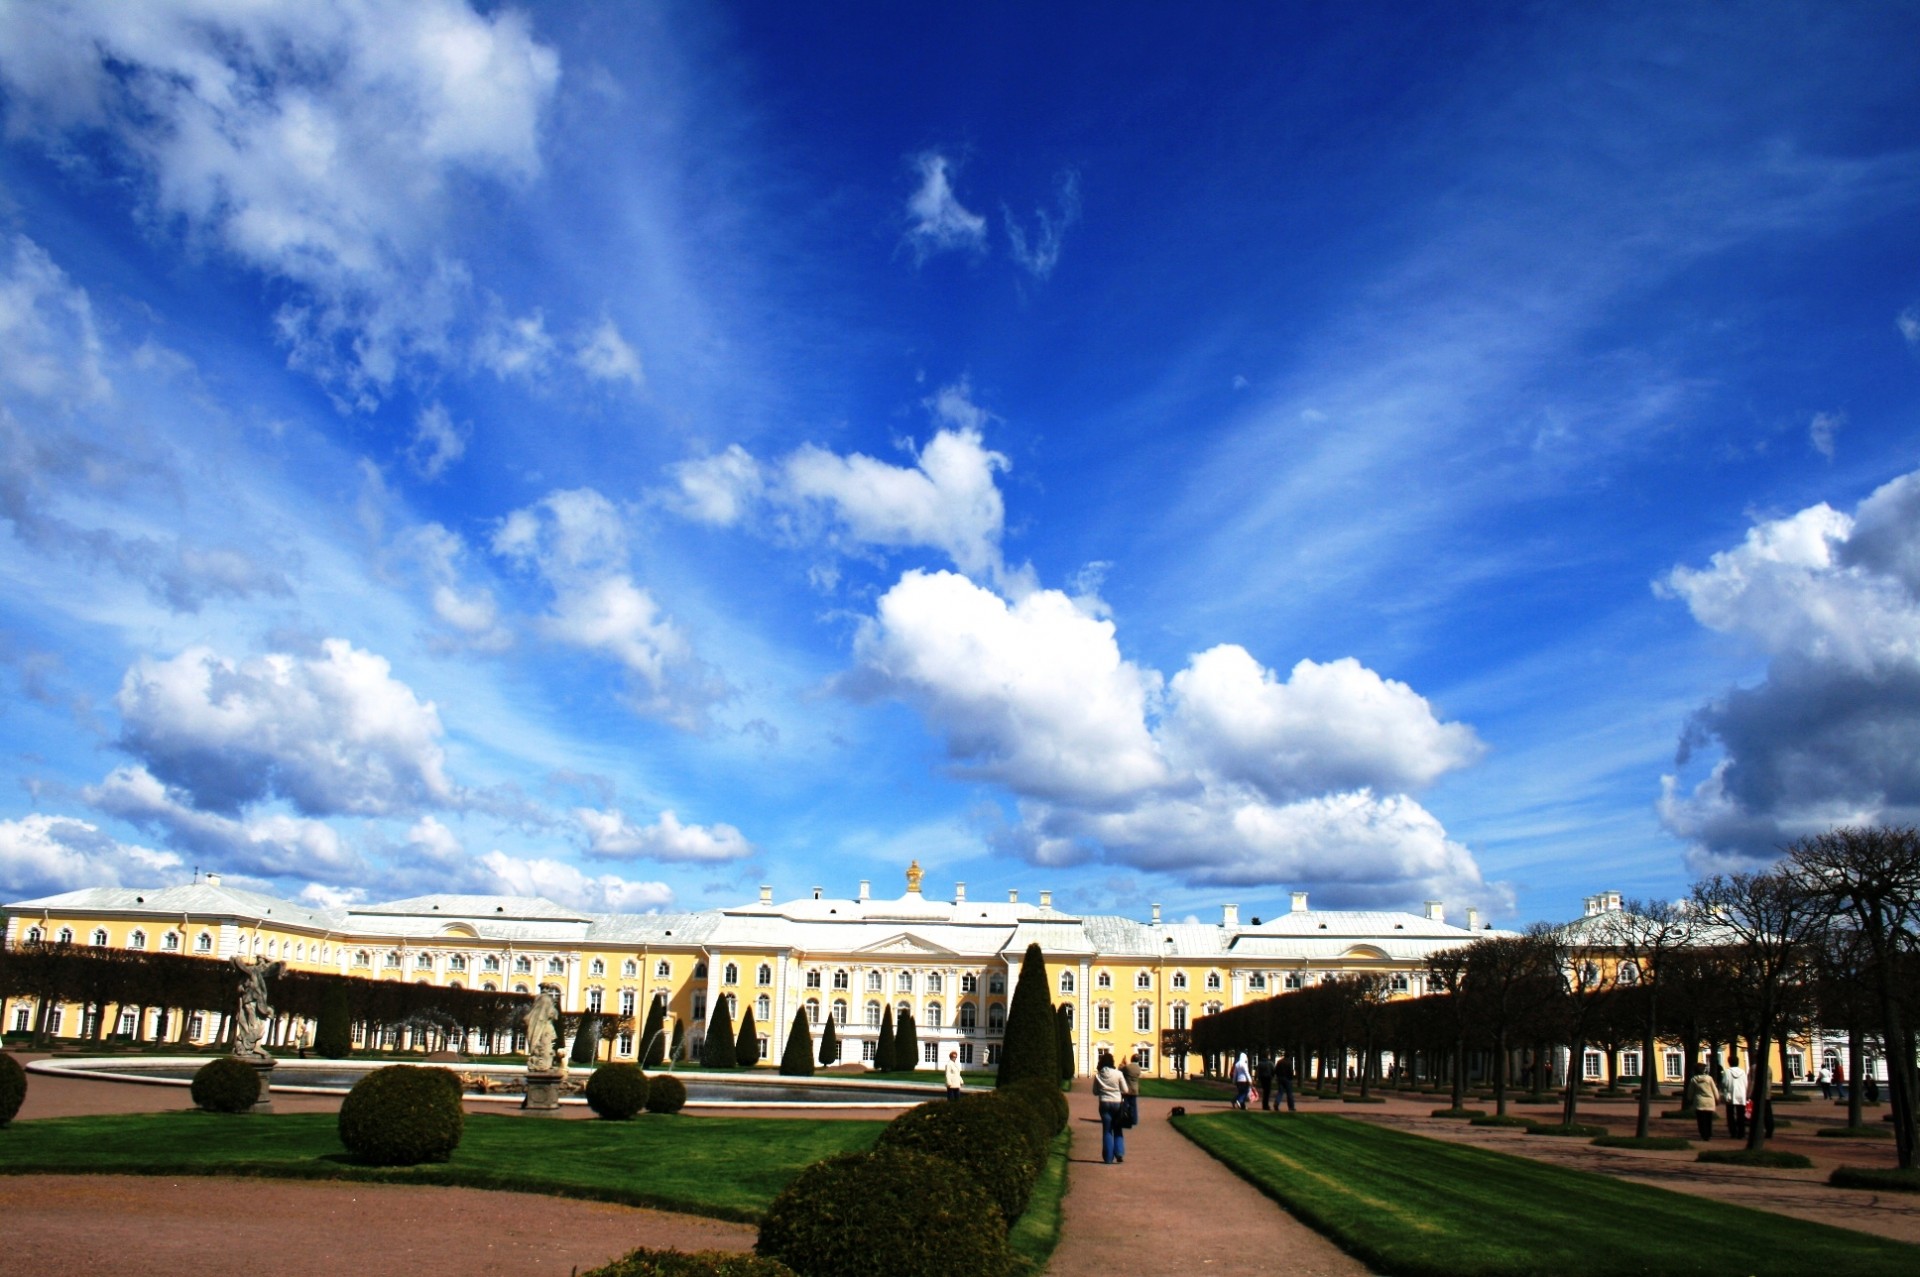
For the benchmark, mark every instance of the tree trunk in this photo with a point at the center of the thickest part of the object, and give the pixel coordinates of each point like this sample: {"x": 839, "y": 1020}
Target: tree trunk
{"x": 1856, "y": 1085}
{"x": 1572, "y": 1105}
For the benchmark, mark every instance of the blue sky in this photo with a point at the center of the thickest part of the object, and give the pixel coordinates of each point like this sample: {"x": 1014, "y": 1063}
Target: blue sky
{"x": 634, "y": 453}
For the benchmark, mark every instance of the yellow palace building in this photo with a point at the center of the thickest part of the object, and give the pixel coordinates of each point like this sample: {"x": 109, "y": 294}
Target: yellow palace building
{"x": 951, "y": 961}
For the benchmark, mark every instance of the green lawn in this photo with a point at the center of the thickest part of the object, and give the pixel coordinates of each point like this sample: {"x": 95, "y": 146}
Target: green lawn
{"x": 1156, "y": 1088}
{"x": 1037, "y": 1231}
{"x": 1418, "y": 1207}
{"x": 729, "y": 1168}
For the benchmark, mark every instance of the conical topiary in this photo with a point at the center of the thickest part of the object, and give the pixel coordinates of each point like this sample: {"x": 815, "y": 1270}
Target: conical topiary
{"x": 797, "y": 1059}
{"x": 906, "y": 1044}
{"x": 678, "y": 1051}
{"x": 746, "y": 1048}
{"x": 586, "y": 1041}
{"x": 717, "y": 1053}
{"x": 883, "y": 1049}
{"x": 333, "y": 1035}
{"x": 653, "y": 1040}
{"x": 830, "y": 1044}
{"x": 1028, "y": 1049}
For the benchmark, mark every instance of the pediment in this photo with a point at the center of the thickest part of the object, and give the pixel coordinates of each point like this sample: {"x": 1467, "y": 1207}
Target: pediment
{"x": 907, "y": 944}
{"x": 1365, "y": 951}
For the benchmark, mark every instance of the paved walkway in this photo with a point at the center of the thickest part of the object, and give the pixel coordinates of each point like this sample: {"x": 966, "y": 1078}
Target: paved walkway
{"x": 1170, "y": 1208}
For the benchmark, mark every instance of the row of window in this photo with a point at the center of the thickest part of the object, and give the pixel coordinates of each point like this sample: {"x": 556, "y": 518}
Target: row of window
{"x": 169, "y": 940}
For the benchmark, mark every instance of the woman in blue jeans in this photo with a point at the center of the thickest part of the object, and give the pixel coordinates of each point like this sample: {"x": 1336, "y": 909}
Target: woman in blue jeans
{"x": 1110, "y": 1089}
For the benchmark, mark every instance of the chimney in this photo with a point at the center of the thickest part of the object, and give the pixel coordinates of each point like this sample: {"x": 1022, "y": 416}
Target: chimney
{"x": 1013, "y": 896}
{"x": 1436, "y": 911}
{"x": 766, "y": 894}
{"x": 1156, "y": 915}
{"x": 1230, "y": 916}
{"x": 959, "y": 893}
{"x": 1589, "y": 905}
{"x": 1299, "y": 902}
{"x": 1610, "y": 901}
{"x": 816, "y": 893}
{"x": 1473, "y": 920}
{"x": 213, "y": 879}
{"x": 866, "y": 888}
{"x": 1046, "y": 900}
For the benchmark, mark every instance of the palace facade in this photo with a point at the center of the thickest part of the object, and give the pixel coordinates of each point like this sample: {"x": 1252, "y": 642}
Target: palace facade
{"x": 951, "y": 961}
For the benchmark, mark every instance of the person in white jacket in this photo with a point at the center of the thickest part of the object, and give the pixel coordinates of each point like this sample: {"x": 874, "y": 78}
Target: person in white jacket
{"x": 1110, "y": 1089}
{"x": 954, "y": 1079}
{"x": 1733, "y": 1087}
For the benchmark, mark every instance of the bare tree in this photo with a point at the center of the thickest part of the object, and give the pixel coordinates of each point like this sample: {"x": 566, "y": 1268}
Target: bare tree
{"x": 1648, "y": 934}
{"x": 1507, "y": 979}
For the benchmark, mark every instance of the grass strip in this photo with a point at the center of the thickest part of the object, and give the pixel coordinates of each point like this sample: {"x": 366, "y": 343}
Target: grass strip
{"x": 1574, "y": 1129}
{"x": 1855, "y": 1133}
{"x": 1501, "y": 1119}
{"x": 1657, "y": 1143}
{"x": 1156, "y": 1088}
{"x": 1767, "y": 1157}
{"x": 724, "y": 1168}
{"x": 1458, "y": 1114}
{"x": 1037, "y": 1231}
{"x": 1879, "y": 1178}
{"x": 1419, "y": 1207}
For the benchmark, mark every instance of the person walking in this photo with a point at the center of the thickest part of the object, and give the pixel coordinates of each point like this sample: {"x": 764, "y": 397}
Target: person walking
{"x": 1130, "y": 1072}
{"x": 1110, "y": 1091}
{"x": 1704, "y": 1095}
{"x": 1283, "y": 1081}
{"x": 1266, "y": 1084}
{"x": 1840, "y": 1091}
{"x": 1733, "y": 1089}
{"x": 954, "y": 1078}
{"x": 1242, "y": 1082}
{"x": 1825, "y": 1078}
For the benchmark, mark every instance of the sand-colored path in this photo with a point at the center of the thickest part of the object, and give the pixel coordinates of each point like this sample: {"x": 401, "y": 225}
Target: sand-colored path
{"x": 1170, "y": 1208}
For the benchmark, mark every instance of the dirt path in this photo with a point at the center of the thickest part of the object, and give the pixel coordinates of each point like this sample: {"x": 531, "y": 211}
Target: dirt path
{"x": 1170, "y": 1208}
{"x": 83, "y": 1225}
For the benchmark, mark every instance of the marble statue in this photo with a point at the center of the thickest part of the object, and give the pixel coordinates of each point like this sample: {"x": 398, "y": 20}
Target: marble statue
{"x": 255, "y": 1011}
{"x": 543, "y": 1018}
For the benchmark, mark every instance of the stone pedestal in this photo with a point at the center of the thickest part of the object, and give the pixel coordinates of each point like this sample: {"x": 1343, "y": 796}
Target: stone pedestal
{"x": 263, "y": 1069}
{"x": 543, "y": 1091}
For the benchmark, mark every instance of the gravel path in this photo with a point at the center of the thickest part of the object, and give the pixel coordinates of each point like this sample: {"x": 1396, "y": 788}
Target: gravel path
{"x": 1170, "y": 1208}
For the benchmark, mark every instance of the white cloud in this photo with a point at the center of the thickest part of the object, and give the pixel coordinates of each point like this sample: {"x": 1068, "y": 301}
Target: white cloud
{"x": 936, "y": 220}
{"x": 318, "y": 143}
{"x": 271, "y": 845}
{"x": 604, "y": 355}
{"x": 1824, "y": 427}
{"x": 562, "y": 882}
{"x": 719, "y": 489}
{"x": 514, "y": 347}
{"x": 1908, "y": 322}
{"x": 437, "y": 442}
{"x": 612, "y": 836}
{"x": 40, "y": 855}
{"x": 49, "y": 347}
{"x": 332, "y": 733}
{"x": 1041, "y": 254}
{"x": 470, "y": 612}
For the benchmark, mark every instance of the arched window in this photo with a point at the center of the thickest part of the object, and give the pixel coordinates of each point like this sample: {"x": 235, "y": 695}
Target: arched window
{"x": 1144, "y": 980}
{"x": 873, "y": 1015}
{"x": 1179, "y": 979}
{"x": 520, "y": 986}
{"x": 1143, "y": 1017}
{"x": 65, "y": 936}
{"x": 33, "y": 935}
{"x": 488, "y": 985}
{"x": 840, "y": 1012}
{"x": 968, "y": 1016}
{"x": 1066, "y": 982}
{"x": 490, "y": 963}
{"x": 523, "y": 965}
{"x": 1257, "y": 980}
{"x": 933, "y": 1015}
{"x": 662, "y": 970}
{"x": 597, "y": 967}
{"x": 627, "y": 1001}
{"x": 203, "y": 943}
{"x": 1213, "y": 1008}
{"x": 556, "y": 967}
{"x": 1103, "y": 980}
{"x": 904, "y": 982}
{"x": 763, "y": 975}
{"x": 699, "y": 970}
{"x": 270, "y": 945}
{"x": 393, "y": 960}
{"x": 733, "y": 1006}
{"x": 969, "y": 983}
{"x": 363, "y": 959}
{"x": 1179, "y": 1015}
{"x": 457, "y": 962}
{"x": 996, "y": 1017}
{"x": 842, "y": 980}
{"x": 875, "y": 982}
{"x": 901, "y": 1010}
{"x": 997, "y": 982}
{"x": 1213, "y": 979}
{"x": 1294, "y": 980}
{"x": 730, "y": 974}
{"x": 813, "y": 1010}
{"x": 170, "y": 941}
{"x": 99, "y": 936}
{"x": 813, "y": 978}
{"x": 138, "y": 940}
{"x": 1103, "y": 1018}
{"x": 763, "y": 1008}
{"x": 630, "y": 969}
{"x": 934, "y": 983}
{"x": 1629, "y": 972}
{"x": 1066, "y": 1009}
{"x": 423, "y": 962}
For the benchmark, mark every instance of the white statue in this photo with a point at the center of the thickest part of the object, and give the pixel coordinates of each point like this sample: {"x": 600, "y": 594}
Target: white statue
{"x": 255, "y": 1012}
{"x": 543, "y": 1016}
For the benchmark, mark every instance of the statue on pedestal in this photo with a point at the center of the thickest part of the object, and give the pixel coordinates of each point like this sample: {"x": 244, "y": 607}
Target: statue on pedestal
{"x": 542, "y": 1018}
{"x": 255, "y": 1010}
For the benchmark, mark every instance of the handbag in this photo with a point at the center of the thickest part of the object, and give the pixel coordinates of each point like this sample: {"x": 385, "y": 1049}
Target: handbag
{"x": 1124, "y": 1118}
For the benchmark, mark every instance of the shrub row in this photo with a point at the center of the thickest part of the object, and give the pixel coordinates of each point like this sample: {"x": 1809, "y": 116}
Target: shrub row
{"x": 13, "y": 1088}
{"x": 691, "y": 1263}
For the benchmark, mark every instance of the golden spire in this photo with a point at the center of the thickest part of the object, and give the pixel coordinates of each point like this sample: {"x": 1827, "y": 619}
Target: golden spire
{"x": 913, "y": 878}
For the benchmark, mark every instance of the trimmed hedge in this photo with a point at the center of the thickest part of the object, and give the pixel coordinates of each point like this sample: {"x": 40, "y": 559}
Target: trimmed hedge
{"x": 1566, "y": 1128}
{"x": 226, "y": 1085}
{"x": 1496, "y": 1119}
{"x": 887, "y": 1212}
{"x": 1044, "y": 1096}
{"x": 1879, "y": 1179}
{"x": 1765, "y": 1157}
{"x": 690, "y": 1263}
{"x": 617, "y": 1091}
{"x": 403, "y": 1115}
{"x": 333, "y": 1038}
{"x": 989, "y": 1138}
{"x": 666, "y": 1094}
{"x": 13, "y": 1088}
{"x": 1458, "y": 1114}
{"x": 1668, "y": 1143}
{"x": 1855, "y": 1132}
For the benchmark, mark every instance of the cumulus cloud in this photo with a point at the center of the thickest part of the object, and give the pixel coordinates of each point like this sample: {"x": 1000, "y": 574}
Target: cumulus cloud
{"x": 332, "y": 733}
{"x": 612, "y": 836}
{"x": 271, "y": 844}
{"x": 948, "y": 499}
{"x": 469, "y": 613}
{"x": 318, "y": 143}
{"x": 509, "y": 347}
{"x": 1040, "y": 254}
{"x": 40, "y": 855}
{"x": 1832, "y": 733}
{"x": 936, "y": 220}
{"x": 1224, "y": 774}
{"x": 568, "y": 885}
{"x": 603, "y": 354}
{"x": 576, "y": 543}
{"x": 437, "y": 442}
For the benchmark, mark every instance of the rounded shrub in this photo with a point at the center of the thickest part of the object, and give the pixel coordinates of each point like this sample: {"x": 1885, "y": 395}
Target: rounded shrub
{"x": 666, "y": 1094}
{"x": 226, "y": 1085}
{"x": 1046, "y": 1096}
{"x": 886, "y": 1212}
{"x": 13, "y": 1087}
{"x": 1035, "y": 1117}
{"x": 402, "y": 1115}
{"x": 691, "y": 1263}
{"x": 987, "y": 1137}
{"x": 617, "y": 1091}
